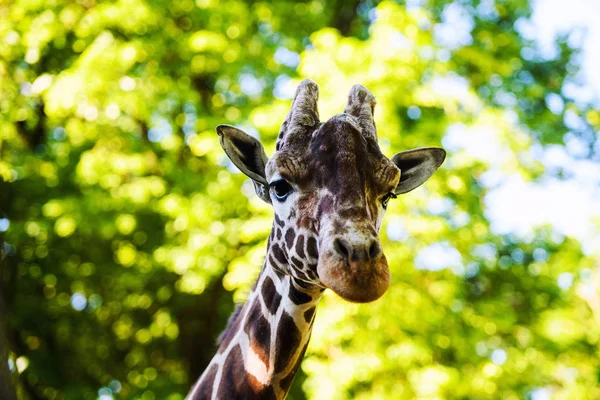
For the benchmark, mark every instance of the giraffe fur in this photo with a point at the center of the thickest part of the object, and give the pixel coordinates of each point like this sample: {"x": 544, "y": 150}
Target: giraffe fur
{"x": 329, "y": 185}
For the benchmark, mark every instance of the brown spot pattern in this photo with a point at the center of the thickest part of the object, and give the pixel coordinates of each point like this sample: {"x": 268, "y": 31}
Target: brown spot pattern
{"x": 288, "y": 341}
{"x": 289, "y": 238}
{"x": 297, "y": 263}
{"x": 311, "y": 247}
{"x": 308, "y": 314}
{"x": 270, "y": 295}
{"x": 300, "y": 246}
{"x": 286, "y": 382}
{"x": 279, "y": 222}
{"x": 237, "y": 384}
{"x": 272, "y": 260}
{"x": 298, "y": 297}
{"x": 278, "y": 253}
{"x": 259, "y": 332}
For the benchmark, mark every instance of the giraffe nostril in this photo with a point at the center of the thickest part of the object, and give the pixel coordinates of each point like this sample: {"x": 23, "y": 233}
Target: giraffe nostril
{"x": 374, "y": 249}
{"x": 342, "y": 247}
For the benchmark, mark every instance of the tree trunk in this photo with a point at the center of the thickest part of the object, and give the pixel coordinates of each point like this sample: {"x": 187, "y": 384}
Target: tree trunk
{"x": 7, "y": 387}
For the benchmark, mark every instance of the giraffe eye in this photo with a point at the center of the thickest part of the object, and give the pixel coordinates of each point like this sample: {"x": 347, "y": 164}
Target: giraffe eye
{"x": 386, "y": 198}
{"x": 281, "y": 189}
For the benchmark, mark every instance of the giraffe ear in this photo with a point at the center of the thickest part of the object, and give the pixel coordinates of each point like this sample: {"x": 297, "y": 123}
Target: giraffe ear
{"x": 248, "y": 154}
{"x": 416, "y": 166}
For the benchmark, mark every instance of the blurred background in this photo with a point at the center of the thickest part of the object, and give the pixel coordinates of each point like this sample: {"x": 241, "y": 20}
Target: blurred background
{"x": 127, "y": 237}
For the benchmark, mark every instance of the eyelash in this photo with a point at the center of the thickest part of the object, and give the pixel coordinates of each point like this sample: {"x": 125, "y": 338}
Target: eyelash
{"x": 386, "y": 198}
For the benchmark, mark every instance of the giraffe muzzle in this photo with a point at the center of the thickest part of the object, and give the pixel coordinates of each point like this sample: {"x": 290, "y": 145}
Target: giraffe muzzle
{"x": 356, "y": 270}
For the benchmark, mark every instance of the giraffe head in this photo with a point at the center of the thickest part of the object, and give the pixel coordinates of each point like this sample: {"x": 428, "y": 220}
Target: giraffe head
{"x": 329, "y": 185}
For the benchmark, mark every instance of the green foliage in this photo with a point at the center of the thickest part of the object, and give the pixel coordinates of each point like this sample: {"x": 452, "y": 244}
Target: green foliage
{"x": 130, "y": 236}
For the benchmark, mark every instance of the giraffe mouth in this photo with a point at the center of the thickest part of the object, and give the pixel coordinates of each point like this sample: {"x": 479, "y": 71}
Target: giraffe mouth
{"x": 355, "y": 281}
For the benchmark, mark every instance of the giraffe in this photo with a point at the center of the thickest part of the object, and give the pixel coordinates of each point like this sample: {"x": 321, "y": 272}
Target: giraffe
{"x": 329, "y": 185}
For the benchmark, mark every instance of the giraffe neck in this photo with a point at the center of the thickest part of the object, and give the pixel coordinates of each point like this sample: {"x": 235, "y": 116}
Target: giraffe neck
{"x": 265, "y": 340}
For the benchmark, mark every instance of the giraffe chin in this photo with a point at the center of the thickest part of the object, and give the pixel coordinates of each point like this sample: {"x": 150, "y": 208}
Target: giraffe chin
{"x": 357, "y": 282}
